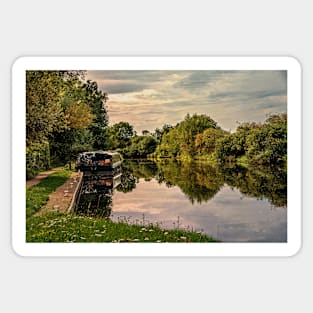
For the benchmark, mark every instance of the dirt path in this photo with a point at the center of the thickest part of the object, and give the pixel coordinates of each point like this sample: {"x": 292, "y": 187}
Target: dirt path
{"x": 38, "y": 178}
{"x": 60, "y": 199}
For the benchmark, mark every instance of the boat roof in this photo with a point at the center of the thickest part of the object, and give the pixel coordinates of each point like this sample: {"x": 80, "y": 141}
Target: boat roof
{"x": 108, "y": 152}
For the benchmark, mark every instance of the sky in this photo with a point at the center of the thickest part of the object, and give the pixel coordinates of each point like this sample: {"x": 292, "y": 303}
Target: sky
{"x": 149, "y": 99}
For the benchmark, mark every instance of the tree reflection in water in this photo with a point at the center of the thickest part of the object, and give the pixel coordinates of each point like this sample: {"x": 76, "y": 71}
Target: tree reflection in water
{"x": 200, "y": 182}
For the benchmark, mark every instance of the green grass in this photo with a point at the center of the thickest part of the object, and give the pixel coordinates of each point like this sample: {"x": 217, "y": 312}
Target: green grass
{"x": 38, "y": 195}
{"x": 59, "y": 227}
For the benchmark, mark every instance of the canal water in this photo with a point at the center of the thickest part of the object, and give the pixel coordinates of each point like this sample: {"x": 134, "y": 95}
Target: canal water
{"x": 231, "y": 204}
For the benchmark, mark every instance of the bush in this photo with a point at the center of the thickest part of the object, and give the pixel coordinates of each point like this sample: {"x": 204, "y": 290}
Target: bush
{"x": 37, "y": 159}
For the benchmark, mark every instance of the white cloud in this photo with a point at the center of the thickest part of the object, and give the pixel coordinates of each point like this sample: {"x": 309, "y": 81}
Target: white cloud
{"x": 149, "y": 99}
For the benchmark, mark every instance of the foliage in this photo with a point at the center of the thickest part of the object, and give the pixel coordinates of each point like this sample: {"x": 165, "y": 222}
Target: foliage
{"x": 140, "y": 147}
{"x": 263, "y": 144}
{"x": 86, "y": 120}
{"x": 44, "y": 113}
{"x": 205, "y": 142}
{"x": 97, "y": 99}
{"x": 38, "y": 195}
{"x": 199, "y": 137}
{"x": 37, "y": 158}
{"x": 169, "y": 146}
{"x": 66, "y": 112}
{"x": 229, "y": 148}
{"x": 78, "y": 115}
{"x": 120, "y": 135}
{"x": 65, "y": 146}
{"x": 182, "y": 141}
{"x": 56, "y": 227}
{"x": 267, "y": 144}
{"x": 158, "y": 133}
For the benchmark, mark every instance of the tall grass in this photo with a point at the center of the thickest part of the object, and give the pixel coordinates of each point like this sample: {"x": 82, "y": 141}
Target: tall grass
{"x": 58, "y": 227}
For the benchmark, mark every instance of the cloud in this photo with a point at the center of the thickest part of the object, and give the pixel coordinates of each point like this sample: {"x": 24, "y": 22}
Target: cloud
{"x": 117, "y": 87}
{"x": 149, "y": 99}
{"x": 128, "y": 81}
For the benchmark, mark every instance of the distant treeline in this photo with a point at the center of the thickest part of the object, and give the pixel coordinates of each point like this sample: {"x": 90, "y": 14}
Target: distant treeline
{"x": 199, "y": 137}
{"x": 66, "y": 114}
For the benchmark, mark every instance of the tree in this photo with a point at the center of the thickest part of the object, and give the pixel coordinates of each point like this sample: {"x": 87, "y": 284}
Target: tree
{"x": 267, "y": 144}
{"x": 85, "y": 120}
{"x": 120, "y": 135}
{"x": 205, "y": 143}
{"x": 140, "y": 147}
{"x": 97, "y": 99}
{"x": 78, "y": 115}
{"x": 44, "y": 113}
{"x": 158, "y": 133}
{"x": 170, "y": 145}
{"x": 64, "y": 113}
{"x": 180, "y": 140}
{"x": 262, "y": 144}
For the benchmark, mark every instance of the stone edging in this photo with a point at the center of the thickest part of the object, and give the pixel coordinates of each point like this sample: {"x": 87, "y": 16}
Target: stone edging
{"x": 70, "y": 208}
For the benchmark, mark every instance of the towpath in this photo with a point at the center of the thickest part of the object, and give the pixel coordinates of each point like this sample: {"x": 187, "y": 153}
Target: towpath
{"x": 59, "y": 200}
{"x": 38, "y": 178}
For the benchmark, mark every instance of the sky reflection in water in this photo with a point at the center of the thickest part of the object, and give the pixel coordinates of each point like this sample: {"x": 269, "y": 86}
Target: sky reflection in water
{"x": 228, "y": 216}
{"x": 232, "y": 204}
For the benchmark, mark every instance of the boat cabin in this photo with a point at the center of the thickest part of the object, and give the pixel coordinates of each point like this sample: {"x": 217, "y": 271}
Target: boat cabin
{"x": 99, "y": 161}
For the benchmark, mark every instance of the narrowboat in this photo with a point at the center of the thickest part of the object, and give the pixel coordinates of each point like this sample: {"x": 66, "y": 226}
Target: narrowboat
{"x": 108, "y": 162}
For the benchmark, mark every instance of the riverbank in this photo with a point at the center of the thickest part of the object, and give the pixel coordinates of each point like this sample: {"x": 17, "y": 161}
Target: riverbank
{"x": 58, "y": 227}
{"x": 51, "y": 223}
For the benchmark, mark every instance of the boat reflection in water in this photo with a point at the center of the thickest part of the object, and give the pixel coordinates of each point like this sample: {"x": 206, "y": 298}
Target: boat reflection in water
{"x": 95, "y": 195}
{"x": 102, "y": 174}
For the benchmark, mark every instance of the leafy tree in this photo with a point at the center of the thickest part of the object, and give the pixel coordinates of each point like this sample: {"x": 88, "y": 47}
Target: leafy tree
{"x": 205, "y": 143}
{"x": 78, "y": 115}
{"x": 267, "y": 144}
{"x": 264, "y": 144}
{"x": 170, "y": 145}
{"x": 120, "y": 135}
{"x": 63, "y": 112}
{"x": 66, "y": 145}
{"x": 140, "y": 147}
{"x": 85, "y": 120}
{"x": 180, "y": 140}
{"x": 158, "y": 133}
{"x": 44, "y": 113}
{"x": 97, "y": 99}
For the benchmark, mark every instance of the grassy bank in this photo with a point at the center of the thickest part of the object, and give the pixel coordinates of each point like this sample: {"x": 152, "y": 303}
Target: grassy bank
{"x": 38, "y": 195}
{"x": 57, "y": 227}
